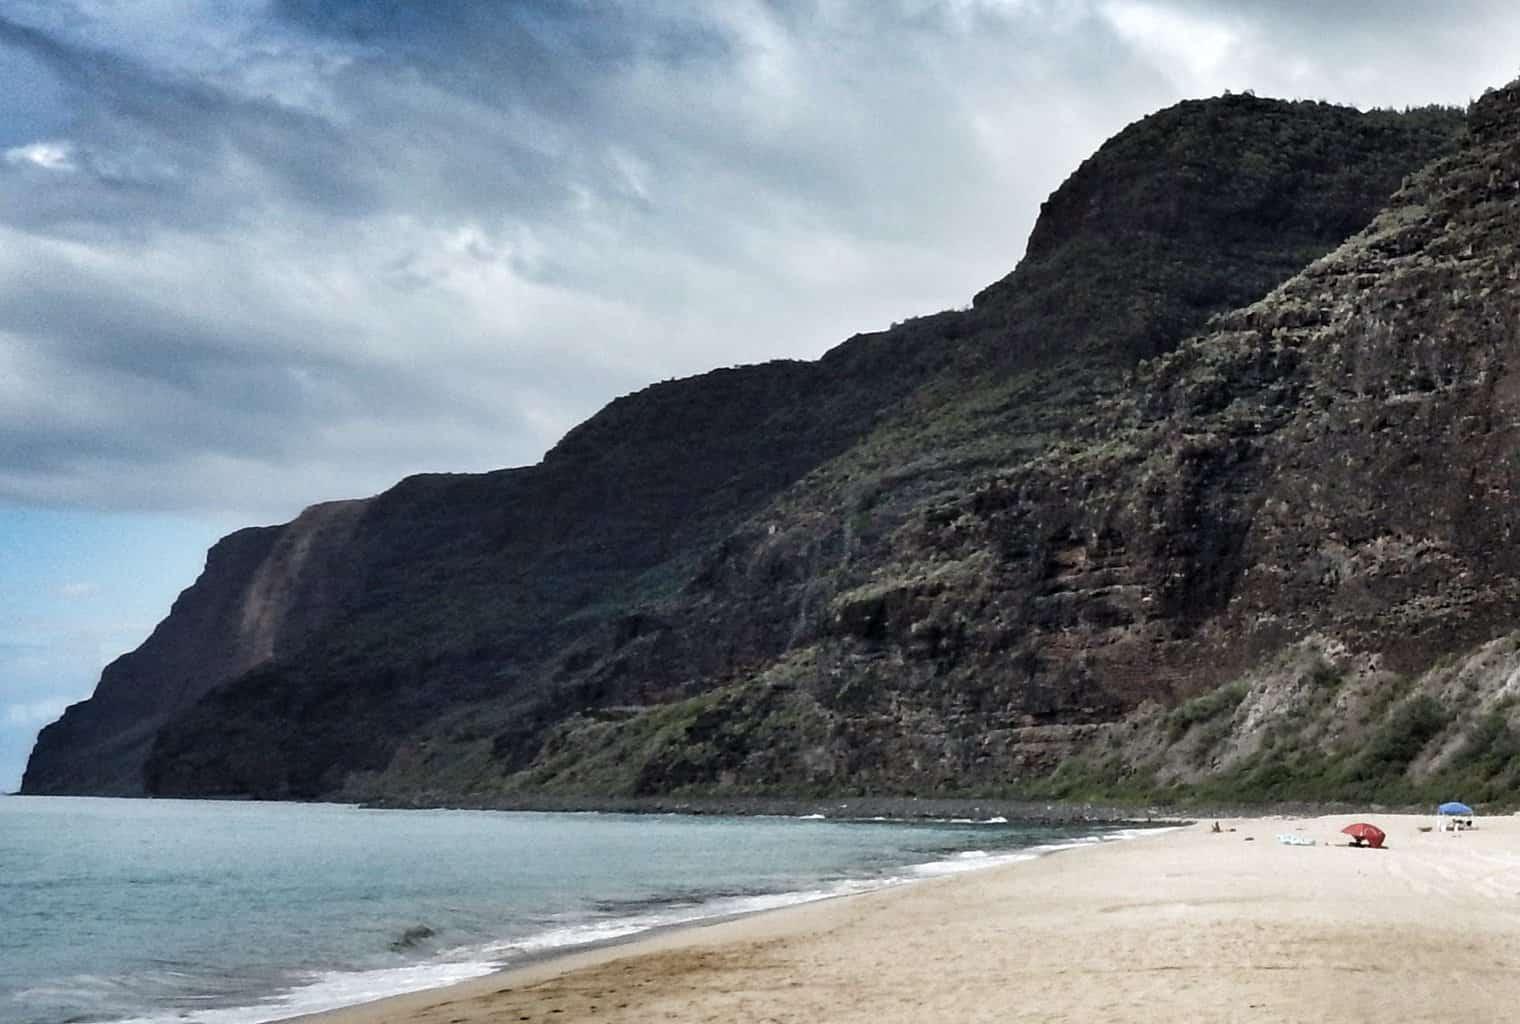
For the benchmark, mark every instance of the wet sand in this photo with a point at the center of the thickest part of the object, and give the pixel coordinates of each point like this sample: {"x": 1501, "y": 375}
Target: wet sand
{"x": 1188, "y": 925}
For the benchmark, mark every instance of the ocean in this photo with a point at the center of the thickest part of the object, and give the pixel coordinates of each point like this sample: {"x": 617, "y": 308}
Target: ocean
{"x": 205, "y": 912}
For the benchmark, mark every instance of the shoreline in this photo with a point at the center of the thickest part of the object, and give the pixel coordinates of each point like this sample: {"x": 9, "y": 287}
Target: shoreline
{"x": 904, "y": 809}
{"x": 304, "y": 932}
{"x": 1189, "y": 923}
{"x": 838, "y": 808}
{"x": 548, "y": 963}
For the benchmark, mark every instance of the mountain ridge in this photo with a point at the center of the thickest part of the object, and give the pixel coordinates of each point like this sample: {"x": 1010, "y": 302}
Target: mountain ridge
{"x": 866, "y": 573}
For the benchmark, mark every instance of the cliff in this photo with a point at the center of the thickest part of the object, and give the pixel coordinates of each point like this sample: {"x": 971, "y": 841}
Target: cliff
{"x": 263, "y": 592}
{"x": 1000, "y": 549}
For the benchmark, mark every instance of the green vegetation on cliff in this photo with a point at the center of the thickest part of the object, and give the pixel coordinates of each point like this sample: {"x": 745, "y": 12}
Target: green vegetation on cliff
{"x": 1187, "y": 506}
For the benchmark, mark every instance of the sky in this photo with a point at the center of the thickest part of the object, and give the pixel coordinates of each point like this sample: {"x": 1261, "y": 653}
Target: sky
{"x": 256, "y": 255}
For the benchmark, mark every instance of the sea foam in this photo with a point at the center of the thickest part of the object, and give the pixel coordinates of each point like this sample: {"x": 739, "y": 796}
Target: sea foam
{"x": 263, "y": 912}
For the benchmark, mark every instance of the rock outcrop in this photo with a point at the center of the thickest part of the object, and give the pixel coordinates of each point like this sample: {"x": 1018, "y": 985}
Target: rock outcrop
{"x": 960, "y": 555}
{"x": 263, "y": 593}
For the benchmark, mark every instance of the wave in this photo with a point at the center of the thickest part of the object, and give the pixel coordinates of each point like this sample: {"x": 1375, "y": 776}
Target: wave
{"x": 330, "y": 991}
{"x": 320, "y": 992}
{"x": 971, "y": 860}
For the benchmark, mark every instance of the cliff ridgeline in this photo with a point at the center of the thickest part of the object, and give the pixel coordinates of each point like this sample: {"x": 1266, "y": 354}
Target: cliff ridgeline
{"x": 1212, "y": 496}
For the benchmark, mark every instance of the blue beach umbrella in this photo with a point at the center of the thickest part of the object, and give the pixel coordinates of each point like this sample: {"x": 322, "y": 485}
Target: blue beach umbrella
{"x": 1455, "y": 807}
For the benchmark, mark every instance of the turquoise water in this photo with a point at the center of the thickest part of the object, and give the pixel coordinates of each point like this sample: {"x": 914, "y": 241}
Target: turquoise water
{"x": 233, "y": 913}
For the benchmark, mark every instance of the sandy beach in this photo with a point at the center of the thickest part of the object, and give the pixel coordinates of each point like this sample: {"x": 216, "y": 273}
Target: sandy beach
{"x": 1188, "y": 925}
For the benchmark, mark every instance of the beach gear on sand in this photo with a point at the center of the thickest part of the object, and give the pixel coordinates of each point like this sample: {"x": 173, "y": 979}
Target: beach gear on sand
{"x": 1453, "y": 816}
{"x": 1361, "y": 832}
{"x": 1289, "y": 839}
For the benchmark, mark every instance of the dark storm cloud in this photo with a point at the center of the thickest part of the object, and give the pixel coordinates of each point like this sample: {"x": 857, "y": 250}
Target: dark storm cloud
{"x": 545, "y": 53}
{"x": 253, "y": 256}
{"x": 155, "y": 149}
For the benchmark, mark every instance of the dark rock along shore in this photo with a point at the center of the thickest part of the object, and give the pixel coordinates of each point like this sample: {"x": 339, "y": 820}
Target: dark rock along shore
{"x": 1210, "y": 498}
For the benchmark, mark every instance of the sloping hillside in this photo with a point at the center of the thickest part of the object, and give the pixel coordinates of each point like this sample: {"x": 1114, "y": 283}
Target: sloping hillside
{"x": 935, "y": 560}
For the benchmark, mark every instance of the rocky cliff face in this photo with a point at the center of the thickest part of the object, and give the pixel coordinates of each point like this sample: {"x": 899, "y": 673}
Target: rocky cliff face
{"x": 264, "y": 591}
{"x": 955, "y": 556}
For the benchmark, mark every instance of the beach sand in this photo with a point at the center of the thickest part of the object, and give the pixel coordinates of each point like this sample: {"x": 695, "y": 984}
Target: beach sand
{"x": 1189, "y": 925}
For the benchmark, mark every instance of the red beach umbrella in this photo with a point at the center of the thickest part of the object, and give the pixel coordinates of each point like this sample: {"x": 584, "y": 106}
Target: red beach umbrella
{"x": 1362, "y": 832}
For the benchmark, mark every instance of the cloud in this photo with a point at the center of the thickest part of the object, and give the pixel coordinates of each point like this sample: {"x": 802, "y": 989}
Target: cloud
{"x": 76, "y": 591}
{"x": 50, "y": 155}
{"x": 35, "y": 713}
{"x": 1404, "y": 53}
{"x": 1197, "y": 46}
{"x": 257, "y": 256}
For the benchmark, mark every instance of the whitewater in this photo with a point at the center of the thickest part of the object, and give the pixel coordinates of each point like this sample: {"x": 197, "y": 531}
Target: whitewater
{"x": 205, "y": 912}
